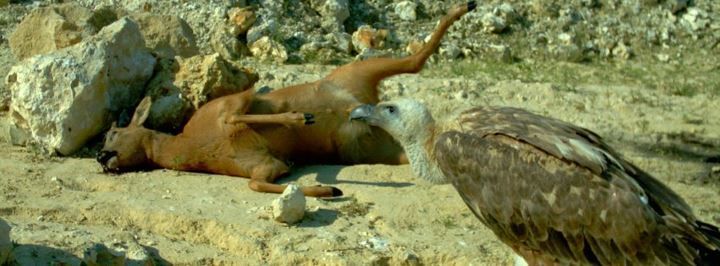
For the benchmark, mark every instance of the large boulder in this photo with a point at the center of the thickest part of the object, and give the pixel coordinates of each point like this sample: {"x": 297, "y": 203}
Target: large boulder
{"x": 167, "y": 35}
{"x": 183, "y": 85}
{"x": 6, "y": 244}
{"x": 51, "y": 28}
{"x": 65, "y": 98}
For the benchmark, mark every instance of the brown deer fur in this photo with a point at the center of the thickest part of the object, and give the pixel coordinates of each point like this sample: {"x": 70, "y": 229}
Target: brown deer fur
{"x": 252, "y": 135}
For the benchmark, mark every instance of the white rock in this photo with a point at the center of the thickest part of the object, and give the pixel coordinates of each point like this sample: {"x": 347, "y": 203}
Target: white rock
{"x": 334, "y": 13}
{"x": 267, "y": 49}
{"x": 340, "y": 41}
{"x": 289, "y": 208}
{"x": 5, "y": 243}
{"x": 502, "y": 53}
{"x": 622, "y": 51}
{"x": 450, "y": 51}
{"x": 492, "y": 23}
{"x": 565, "y": 38}
{"x": 662, "y": 57}
{"x": 405, "y": 10}
{"x": 65, "y": 98}
{"x": 264, "y": 27}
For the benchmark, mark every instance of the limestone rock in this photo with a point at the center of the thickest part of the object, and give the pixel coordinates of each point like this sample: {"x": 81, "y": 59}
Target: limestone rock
{"x": 340, "y": 41}
{"x": 264, "y": 27}
{"x": 414, "y": 46}
{"x": 225, "y": 43}
{"x": 167, "y": 35}
{"x": 502, "y": 53}
{"x": 10, "y": 133}
{"x": 268, "y": 50}
{"x": 405, "y": 10}
{"x": 334, "y": 13}
{"x": 492, "y": 23}
{"x": 506, "y": 12}
{"x": 289, "y": 208}
{"x": 695, "y": 19}
{"x": 183, "y": 85}
{"x": 6, "y": 244}
{"x": 622, "y": 51}
{"x": 47, "y": 29}
{"x": 450, "y": 51}
{"x": 241, "y": 19}
{"x": 367, "y": 37}
{"x": 67, "y": 97}
{"x": 567, "y": 52}
{"x": 99, "y": 254}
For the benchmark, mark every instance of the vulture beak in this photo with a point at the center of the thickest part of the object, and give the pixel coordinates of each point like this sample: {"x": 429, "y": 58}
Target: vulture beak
{"x": 363, "y": 113}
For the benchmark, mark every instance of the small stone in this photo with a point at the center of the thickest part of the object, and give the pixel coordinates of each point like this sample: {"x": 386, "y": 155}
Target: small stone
{"x": 241, "y": 19}
{"x": 622, "y": 51}
{"x": 405, "y": 10}
{"x": 367, "y": 37}
{"x": 6, "y": 244}
{"x": 569, "y": 53}
{"x": 715, "y": 169}
{"x": 663, "y": 57}
{"x": 289, "y": 208}
{"x": 565, "y": 38}
{"x": 408, "y": 258}
{"x": 414, "y": 46}
{"x": 99, "y": 254}
{"x": 333, "y": 12}
{"x": 268, "y": 50}
{"x": 492, "y": 23}
{"x": 506, "y": 12}
{"x": 340, "y": 41}
{"x": 450, "y": 51}
{"x": 502, "y": 53}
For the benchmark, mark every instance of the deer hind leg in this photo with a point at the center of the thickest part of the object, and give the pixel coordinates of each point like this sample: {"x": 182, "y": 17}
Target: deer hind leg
{"x": 264, "y": 174}
{"x": 362, "y": 77}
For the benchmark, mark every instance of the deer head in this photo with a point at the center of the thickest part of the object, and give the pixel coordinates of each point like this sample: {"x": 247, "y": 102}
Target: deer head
{"x": 125, "y": 148}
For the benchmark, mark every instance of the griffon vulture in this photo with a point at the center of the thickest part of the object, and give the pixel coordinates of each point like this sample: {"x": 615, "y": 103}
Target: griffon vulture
{"x": 552, "y": 191}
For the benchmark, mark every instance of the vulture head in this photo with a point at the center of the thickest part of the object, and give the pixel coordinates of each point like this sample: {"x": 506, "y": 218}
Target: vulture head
{"x": 411, "y": 124}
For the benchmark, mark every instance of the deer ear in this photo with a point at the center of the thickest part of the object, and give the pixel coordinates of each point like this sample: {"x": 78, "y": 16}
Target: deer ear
{"x": 141, "y": 112}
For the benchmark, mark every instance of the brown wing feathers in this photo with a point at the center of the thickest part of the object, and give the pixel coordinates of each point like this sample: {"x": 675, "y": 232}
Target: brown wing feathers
{"x": 554, "y": 187}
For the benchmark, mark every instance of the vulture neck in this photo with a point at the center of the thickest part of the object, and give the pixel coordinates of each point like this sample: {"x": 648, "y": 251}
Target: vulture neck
{"x": 420, "y": 152}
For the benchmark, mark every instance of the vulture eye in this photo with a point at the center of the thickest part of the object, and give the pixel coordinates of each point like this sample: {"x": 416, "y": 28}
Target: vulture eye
{"x": 390, "y": 109}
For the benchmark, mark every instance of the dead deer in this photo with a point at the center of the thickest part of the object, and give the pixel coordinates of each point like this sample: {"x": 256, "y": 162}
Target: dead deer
{"x": 252, "y": 135}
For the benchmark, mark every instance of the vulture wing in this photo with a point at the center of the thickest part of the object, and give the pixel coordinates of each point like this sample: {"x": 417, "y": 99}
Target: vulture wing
{"x": 556, "y": 192}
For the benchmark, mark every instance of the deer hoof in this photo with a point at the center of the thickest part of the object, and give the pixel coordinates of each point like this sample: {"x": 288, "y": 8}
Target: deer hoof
{"x": 471, "y": 5}
{"x": 309, "y": 119}
{"x": 336, "y": 192}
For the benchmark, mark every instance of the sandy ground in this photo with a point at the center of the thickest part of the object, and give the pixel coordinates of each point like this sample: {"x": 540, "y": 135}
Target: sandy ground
{"x": 59, "y": 206}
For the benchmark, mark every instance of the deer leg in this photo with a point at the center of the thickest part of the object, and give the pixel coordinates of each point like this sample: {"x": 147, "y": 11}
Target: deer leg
{"x": 263, "y": 176}
{"x": 363, "y": 77}
{"x": 287, "y": 119}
